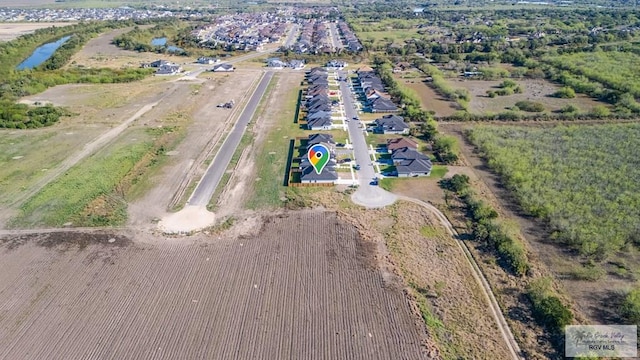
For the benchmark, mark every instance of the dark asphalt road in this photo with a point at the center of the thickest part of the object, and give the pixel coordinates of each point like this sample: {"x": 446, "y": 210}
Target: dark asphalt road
{"x": 209, "y": 182}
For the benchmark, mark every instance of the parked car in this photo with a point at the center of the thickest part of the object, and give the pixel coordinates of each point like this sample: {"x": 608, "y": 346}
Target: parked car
{"x": 356, "y": 166}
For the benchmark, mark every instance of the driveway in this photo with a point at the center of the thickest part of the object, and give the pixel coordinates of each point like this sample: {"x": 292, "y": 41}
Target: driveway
{"x": 367, "y": 195}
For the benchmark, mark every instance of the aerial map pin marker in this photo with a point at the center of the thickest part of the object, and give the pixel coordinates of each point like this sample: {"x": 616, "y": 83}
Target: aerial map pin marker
{"x": 318, "y": 157}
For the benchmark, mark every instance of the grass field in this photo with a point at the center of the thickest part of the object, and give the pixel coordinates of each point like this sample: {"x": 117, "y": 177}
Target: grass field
{"x": 92, "y": 192}
{"x": 437, "y": 173}
{"x": 271, "y": 155}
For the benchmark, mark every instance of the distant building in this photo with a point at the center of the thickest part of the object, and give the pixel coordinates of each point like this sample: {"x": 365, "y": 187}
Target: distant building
{"x": 168, "y": 69}
{"x": 223, "y": 68}
{"x": 296, "y": 64}
{"x": 208, "y": 60}
{"x": 391, "y": 124}
{"x": 159, "y": 63}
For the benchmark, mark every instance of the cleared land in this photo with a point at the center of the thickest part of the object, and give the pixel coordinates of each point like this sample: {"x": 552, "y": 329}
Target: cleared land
{"x": 279, "y": 294}
{"x": 431, "y": 100}
{"x": 10, "y": 31}
{"x": 99, "y": 52}
{"x": 533, "y": 90}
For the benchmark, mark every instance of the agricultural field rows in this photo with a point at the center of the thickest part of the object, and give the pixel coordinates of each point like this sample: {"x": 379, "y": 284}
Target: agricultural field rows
{"x": 306, "y": 287}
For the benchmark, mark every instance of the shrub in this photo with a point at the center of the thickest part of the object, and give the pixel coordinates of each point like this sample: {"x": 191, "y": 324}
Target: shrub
{"x": 507, "y": 84}
{"x": 530, "y": 106}
{"x": 631, "y": 307}
{"x": 569, "y": 109}
{"x": 566, "y": 92}
{"x": 547, "y": 308}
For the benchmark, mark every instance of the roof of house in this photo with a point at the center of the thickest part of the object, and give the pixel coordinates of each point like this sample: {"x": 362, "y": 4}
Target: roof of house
{"x": 319, "y": 123}
{"x": 382, "y": 104}
{"x": 320, "y": 138}
{"x": 224, "y": 66}
{"x": 408, "y": 154}
{"x": 319, "y": 107}
{"x": 364, "y": 69}
{"x": 309, "y": 174}
{"x": 413, "y": 166}
{"x": 399, "y": 143}
{"x": 319, "y": 115}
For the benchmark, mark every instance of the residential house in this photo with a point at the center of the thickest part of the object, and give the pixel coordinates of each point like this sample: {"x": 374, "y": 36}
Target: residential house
{"x": 276, "y": 64}
{"x": 226, "y": 67}
{"x": 319, "y": 107}
{"x": 168, "y": 69}
{"x": 391, "y": 124}
{"x": 399, "y": 143}
{"x": 325, "y": 139}
{"x": 319, "y": 115}
{"x": 207, "y": 60}
{"x": 159, "y": 63}
{"x": 297, "y": 64}
{"x": 413, "y": 167}
{"x": 336, "y": 64}
{"x": 319, "y": 124}
{"x": 381, "y": 105}
{"x": 309, "y": 175}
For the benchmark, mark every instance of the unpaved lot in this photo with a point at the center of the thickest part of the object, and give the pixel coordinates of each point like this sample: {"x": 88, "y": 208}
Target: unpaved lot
{"x": 431, "y": 100}
{"x": 10, "y": 31}
{"x": 208, "y": 126}
{"x": 537, "y": 90}
{"x": 281, "y": 294}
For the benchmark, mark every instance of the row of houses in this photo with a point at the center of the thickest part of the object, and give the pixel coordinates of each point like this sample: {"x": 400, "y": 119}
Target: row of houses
{"x": 316, "y": 102}
{"x": 247, "y": 31}
{"x": 376, "y": 97}
{"x": 349, "y": 38}
{"x": 314, "y": 38}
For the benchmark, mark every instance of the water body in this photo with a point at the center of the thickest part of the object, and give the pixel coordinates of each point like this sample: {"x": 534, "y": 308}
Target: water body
{"x": 159, "y": 41}
{"x": 162, "y": 41}
{"x": 41, "y": 54}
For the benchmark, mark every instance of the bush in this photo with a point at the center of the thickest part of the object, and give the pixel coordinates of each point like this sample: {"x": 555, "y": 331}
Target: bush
{"x": 565, "y": 93}
{"x": 507, "y": 84}
{"x": 458, "y": 183}
{"x": 491, "y": 93}
{"x": 530, "y": 106}
{"x": 569, "y": 109}
{"x": 630, "y": 309}
{"x": 547, "y": 308}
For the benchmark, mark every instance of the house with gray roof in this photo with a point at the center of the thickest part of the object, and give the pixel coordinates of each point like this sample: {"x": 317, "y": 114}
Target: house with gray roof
{"x": 319, "y": 124}
{"x": 326, "y": 139}
{"x": 415, "y": 167}
{"x": 391, "y": 124}
{"x": 309, "y": 175}
{"x": 168, "y": 69}
{"x": 226, "y": 67}
{"x": 382, "y": 105}
{"x": 319, "y": 115}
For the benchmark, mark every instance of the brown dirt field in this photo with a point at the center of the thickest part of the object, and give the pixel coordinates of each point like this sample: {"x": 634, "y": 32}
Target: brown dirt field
{"x": 99, "y": 52}
{"x": 537, "y": 90}
{"x": 432, "y": 262}
{"x": 10, "y": 31}
{"x": 282, "y": 294}
{"x": 207, "y": 126}
{"x": 430, "y": 99}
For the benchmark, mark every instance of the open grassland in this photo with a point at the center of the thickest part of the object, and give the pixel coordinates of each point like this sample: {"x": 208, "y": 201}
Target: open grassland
{"x": 535, "y": 90}
{"x": 615, "y": 70}
{"x": 94, "y": 192}
{"x": 64, "y": 199}
{"x": 270, "y": 295}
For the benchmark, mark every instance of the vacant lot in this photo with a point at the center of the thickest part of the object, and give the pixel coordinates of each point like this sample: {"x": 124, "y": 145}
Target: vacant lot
{"x": 10, "y": 31}
{"x": 431, "y": 100}
{"x": 534, "y": 90}
{"x": 274, "y": 295}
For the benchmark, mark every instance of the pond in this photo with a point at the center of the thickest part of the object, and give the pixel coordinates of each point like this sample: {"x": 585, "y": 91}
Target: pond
{"x": 159, "y": 41}
{"x": 41, "y": 54}
{"x": 162, "y": 41}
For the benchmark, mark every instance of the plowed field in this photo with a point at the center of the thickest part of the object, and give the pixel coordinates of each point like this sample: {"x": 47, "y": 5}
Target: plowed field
{"x": 306, "y": 287}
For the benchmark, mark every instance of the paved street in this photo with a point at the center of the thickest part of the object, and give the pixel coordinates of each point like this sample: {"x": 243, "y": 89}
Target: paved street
{"x": 209, "y": 182}
{"x": 367, "y": 195}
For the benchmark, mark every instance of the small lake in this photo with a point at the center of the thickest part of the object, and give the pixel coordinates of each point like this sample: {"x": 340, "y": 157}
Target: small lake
{"x": 41, "y": 54}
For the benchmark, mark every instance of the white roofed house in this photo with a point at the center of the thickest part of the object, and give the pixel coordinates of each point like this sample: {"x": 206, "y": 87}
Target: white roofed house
{"x": 168, "y": 69}
{"x": 223, "y": 68}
